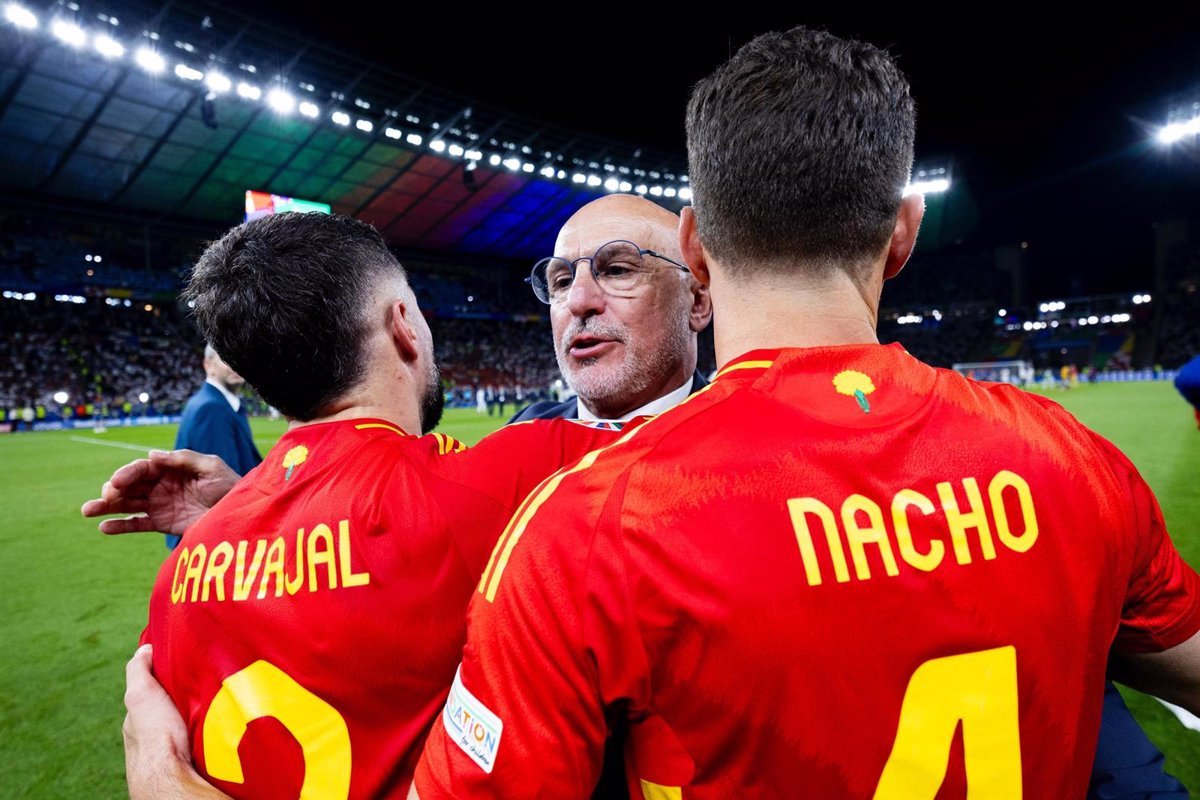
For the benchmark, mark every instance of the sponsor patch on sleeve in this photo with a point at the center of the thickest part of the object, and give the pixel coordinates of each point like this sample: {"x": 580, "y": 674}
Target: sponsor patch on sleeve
{"x": 472, "y": 725}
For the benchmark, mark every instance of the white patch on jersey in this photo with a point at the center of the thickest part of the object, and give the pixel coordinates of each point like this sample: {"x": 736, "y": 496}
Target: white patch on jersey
{"x": 472, "y": 725}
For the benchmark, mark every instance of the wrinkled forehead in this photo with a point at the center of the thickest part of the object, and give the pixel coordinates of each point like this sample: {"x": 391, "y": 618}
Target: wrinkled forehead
{"x": 580, "y": 238}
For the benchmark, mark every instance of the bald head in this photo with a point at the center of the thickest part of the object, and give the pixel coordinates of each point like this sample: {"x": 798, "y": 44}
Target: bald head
{"x": 621, "y": 352}
{"x": 620, "y": 216}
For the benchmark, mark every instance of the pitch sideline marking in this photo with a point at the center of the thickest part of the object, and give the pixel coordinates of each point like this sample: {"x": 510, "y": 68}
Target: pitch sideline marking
{"x": 122, "y": 445}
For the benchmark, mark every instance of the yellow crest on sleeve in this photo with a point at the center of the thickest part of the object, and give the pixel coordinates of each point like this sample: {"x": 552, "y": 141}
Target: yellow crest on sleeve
{"x": 294, "y": 458}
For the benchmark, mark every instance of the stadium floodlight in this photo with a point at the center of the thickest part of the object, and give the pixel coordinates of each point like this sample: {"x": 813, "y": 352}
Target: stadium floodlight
{"x": 1092, "y": 320}
{"x": 612, "y": 184}
{"x": 1002, "y": 312}
{"x": 20, "y": 16}
{"x": 579, "y": 177}
{"x": 1082, "y": 321}
{"x": 108, "y": 47}
{"x": 561, "y": 175}
{"x": 457, "y": 150}
{"x": 936, "y": 186}
{"x": 364, "y": 125}
{"x": 249, "y": 91}
{"x": 513, "y": 164}
{"x": 593, "y": 180}
{"x": 68, "y": 33}
{"x": 547, "y": 172}
{"x": 98, "y": 259}
{"x": 438, "y": 146}
{"x": 625, "y": 186}
{"x": 494, "y": 160}
{"x": 61, "y": 397}
{"x": 280, "y": 101}
{"x": 392, "y": 133}
{"x": 685, "y": 193}
{"x": 473, "y": 155}
{"x": 414, "y": 139}
{"x": 656, "y": 191}
{"x": 311, "y": 111}
{"x": 340, "y": 118}
{"x": 1177, "y": 131}
{"x": 144, "y": 397}
{"x": 669, "y": 191}
{"x": 1044, "y": 307}
{"x": 217, "y": 82}
{"x": 150, "y": 61}
{"x": 527, "y": 167}
{"x": 188, "y": 73}
{"x": 641, "y": 188}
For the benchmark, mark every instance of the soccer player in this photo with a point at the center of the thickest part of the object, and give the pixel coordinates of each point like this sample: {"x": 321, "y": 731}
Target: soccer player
{"x": 320, "y": 603}
{"x": 835, "y": 572}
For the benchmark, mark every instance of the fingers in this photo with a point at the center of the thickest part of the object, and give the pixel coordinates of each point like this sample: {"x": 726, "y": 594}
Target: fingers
{"x": 139, "y": 680}
{"x": 185, "y": 460}
{"x": 134, "y": 472}
{"x": 139, "y": 523}
{"x": 114, "y": 505}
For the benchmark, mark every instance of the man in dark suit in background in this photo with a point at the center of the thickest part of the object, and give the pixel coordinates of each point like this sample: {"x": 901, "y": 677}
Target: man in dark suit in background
{"x": 216, "y": 423}
{"x": 624, "y": 311}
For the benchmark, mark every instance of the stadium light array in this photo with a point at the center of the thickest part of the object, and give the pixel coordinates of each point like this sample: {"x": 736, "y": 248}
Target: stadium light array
{"x": 936, "y": 186}
{"x": 68, "y": 33}
{"x": 150, "y": 61}
{"x": 910, "y": 319}
{"x": 217, "y": 82}
{"x": 1177, "y": 131}
{"x": 108, "y": 47}
{"x": 188, "y": 73}
{"x": 20, "y": 16}
{"x": 280, "y": 101}
{"x": 1139, "y": 299}
{"x": 1002, "y": 312}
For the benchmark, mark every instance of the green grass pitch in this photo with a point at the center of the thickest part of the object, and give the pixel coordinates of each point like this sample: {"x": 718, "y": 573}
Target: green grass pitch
{"x": 72, "y": 602}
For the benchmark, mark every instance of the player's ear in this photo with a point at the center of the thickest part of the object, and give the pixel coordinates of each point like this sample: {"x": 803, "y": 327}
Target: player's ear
{"x": 904, "y": 235}
{"x": 700, "y": 313}
{"x": 404, "y": 336}
{"x": 689, "y": 245}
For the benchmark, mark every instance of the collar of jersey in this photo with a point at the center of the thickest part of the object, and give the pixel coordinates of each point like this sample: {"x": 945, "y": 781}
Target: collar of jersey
{"x": 359, "y": 423}
{"x": 764, "y": 359}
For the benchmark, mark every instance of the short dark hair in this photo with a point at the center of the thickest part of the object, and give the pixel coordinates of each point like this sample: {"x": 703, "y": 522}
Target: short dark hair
{"x": 285, "y": 301}
{"x": 799, "y": 148}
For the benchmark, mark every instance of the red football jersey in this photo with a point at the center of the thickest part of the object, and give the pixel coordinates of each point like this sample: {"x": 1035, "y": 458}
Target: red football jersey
{"x": 308, "y": 626}
{"x": 834, "y": 573}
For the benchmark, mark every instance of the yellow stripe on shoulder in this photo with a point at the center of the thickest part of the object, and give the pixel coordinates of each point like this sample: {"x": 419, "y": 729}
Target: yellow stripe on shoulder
{"x": 385, "y": 426}
{"x": 744, "y": 365}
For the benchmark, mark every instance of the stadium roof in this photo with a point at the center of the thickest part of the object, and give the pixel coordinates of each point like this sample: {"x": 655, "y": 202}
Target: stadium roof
{"x": 93, "y": 122}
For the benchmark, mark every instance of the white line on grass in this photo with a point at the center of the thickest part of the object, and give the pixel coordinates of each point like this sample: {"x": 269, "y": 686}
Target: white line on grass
{"x": 123, "y": 445}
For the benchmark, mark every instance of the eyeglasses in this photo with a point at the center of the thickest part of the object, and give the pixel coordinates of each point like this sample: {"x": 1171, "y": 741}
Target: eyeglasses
{"x": 620, "y": 268}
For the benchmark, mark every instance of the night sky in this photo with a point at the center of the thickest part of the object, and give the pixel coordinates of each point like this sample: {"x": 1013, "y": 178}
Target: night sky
{"x": 1048, "y": 125}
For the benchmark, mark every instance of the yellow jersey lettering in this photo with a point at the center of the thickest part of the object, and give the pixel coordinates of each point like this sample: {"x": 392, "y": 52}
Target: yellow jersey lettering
{"x": 296, "y": 582}
{"x": 1011, "y": 480}
{"x": 350, "y": 578}
{"x": 862, "y": 522}
{"x": 214, "y": 575}
{"x": 242, "y": 581}
{"x": 176, "y": 586}
{"x": 325, "y": 556}
{"x": 905, "y": 499}
{"x": 273, "y": 568}
{"x": 873, "y": 533}
{"x": 195, "y": 570}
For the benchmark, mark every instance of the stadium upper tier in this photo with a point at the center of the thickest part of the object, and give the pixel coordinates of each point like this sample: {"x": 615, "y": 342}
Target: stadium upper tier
{"x": 177, "y": 117}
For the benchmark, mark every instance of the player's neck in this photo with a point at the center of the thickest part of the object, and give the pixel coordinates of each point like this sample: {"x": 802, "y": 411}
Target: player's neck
{"x": 772, "y": 314}
{"x": 370, "y": 401}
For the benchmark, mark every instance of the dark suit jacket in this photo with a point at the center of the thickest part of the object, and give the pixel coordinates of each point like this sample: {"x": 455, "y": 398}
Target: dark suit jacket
{"x": 210, "y": 425}
{"x": 569, "y": 409}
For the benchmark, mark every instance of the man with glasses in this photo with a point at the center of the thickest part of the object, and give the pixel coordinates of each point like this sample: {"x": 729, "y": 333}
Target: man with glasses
{"x": 624, "y": 311}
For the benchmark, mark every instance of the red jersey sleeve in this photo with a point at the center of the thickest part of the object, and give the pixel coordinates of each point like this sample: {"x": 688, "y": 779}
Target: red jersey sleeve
{"x": 1162, "y": 603}
{"x": 526, "y": 716}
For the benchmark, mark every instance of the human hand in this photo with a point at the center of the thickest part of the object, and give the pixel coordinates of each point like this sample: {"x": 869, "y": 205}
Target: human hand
{"x": 166, "y": 492}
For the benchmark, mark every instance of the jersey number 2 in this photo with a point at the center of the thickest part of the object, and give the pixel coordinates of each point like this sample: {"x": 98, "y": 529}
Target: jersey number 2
{"x": 980, "y": 689}
{"x": 264, "y": 690}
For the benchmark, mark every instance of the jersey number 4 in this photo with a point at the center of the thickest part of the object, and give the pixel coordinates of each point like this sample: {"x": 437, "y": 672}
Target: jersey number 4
{"x": 264, "y": 690}
{"x": 980, "y": 689}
